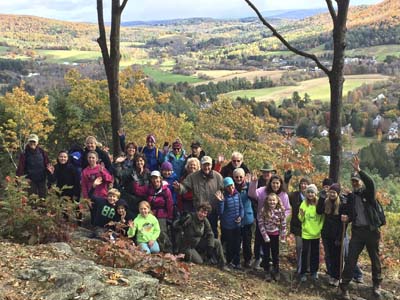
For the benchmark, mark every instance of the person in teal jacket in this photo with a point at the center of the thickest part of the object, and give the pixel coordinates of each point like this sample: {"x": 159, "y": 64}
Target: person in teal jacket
{"x": 311, "y": 226}
{"x": 146, "y": 229}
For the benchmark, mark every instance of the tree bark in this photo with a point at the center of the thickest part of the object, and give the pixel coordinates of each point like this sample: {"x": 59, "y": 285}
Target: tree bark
{"x": 111, "y": 59}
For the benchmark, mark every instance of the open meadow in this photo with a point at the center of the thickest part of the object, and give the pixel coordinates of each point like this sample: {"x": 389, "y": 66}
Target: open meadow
{"x": 318, "y": 89}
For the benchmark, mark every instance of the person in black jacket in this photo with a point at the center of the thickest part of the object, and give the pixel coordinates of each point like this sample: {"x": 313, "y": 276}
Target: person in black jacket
{"x": 65, "y": 176}
{"x": 365, "y": 229}
{"x": 331, "y": 206}
{"x": 104, "y": 158}
{"x": 236, "y": 162}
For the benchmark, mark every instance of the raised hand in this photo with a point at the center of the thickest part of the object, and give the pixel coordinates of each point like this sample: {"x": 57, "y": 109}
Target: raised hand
{"x": 120, "y": 159}
{"x": 356, "y": 163}
{"x": 219, "y": 196}
{"x": 97, "y": 181}
{"x": 50, "y": 168}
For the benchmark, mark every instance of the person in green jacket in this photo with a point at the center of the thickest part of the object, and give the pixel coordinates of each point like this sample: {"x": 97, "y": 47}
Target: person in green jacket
{"x": 146, "y": 229}
{"x": 311, "y": 226}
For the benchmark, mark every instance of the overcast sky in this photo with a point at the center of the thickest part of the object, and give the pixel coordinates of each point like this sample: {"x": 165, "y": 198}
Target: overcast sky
{"x": 85, "y": 10}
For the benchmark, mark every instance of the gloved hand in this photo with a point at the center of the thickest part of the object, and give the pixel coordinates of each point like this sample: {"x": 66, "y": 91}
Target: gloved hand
{"x": 287, "y": 176}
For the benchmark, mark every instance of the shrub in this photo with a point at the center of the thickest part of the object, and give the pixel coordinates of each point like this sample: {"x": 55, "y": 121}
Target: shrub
{"x": 33, "y": 220}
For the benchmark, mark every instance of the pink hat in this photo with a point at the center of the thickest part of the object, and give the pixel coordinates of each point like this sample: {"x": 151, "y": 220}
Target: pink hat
{"x": 151, "y": 138}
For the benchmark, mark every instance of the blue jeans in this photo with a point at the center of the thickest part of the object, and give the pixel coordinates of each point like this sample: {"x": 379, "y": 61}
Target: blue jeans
{"x": 153, "y": 249}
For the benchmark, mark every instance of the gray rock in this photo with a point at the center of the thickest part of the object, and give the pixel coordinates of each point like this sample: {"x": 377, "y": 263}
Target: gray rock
{"x": 63, "y": 248}
{"x": 83, "y": 279}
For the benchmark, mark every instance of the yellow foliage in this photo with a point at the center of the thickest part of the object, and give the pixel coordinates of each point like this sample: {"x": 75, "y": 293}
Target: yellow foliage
{"x": 28, "y": 115}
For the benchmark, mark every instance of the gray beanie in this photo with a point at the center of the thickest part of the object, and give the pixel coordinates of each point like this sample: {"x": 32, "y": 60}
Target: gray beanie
{"x": 312, "y": 188}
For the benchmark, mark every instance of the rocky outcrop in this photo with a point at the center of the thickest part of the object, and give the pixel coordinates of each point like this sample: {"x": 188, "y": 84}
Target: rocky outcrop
{"x": 83, "y": 279}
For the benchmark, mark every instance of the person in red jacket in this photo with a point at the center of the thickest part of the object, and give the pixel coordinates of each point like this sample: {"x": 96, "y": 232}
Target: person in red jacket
{"x": 160, "y": 198}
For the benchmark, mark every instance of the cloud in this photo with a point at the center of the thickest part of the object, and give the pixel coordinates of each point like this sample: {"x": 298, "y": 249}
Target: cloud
{"x": 85, "y": 10}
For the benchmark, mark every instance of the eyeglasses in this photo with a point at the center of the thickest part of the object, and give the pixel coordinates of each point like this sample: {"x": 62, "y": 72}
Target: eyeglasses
{"x": 238, "y": 177}
{"x": 176, "y": 149}
{"x": 236, "y": 160}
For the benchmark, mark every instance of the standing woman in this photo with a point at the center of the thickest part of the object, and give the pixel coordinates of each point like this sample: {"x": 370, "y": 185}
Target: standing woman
{"x": 154, "y": 157}
{"x": 65, "y": 176}
{"x": 332, "y": 229}
{"x": 124, "y": 165}
{"x": 185, "y": 200}
{"x": 248, "y": 219}
{"x": 136, "y": 184}
{"x": 160, "y": 198}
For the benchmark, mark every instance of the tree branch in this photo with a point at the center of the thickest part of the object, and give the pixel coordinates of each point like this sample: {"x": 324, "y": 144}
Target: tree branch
{"x": 123, "y": 5}
{"x": 285, "y": 42}
{"x": 331, "y": 10}
{"x": 102, "y": 31}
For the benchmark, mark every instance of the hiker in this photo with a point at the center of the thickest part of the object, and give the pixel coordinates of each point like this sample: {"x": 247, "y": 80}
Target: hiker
{"x": 230, "y": 210}
{"x": 362, "y": 211}
{"x": 145, "y": 227}
{"x": 102, "y": 156}
{"x": 154, "y": 157}
{"x": 33, "y": 164}
{"x": 198, "y": 241}
{"x": 242, "y": 186}
{"x": 311, "y": 225}
{"x": 296, "y": 199}
{"x": 204, "y": 184}
{"x": 272, "y": 224}
{"x": 185, "y": 200}
{"x": 332, "y": 232}
{"x": 236, "y": 162}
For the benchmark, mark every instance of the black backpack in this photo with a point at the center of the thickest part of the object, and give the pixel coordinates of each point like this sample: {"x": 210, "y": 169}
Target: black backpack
{"x": 376, "y": 214}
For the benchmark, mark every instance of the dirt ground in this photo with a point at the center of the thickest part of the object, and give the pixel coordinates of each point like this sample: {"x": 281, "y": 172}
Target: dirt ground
{"x": 206, "y": 282}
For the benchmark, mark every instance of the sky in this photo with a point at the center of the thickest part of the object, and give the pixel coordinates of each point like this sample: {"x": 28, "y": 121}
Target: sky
{"x": 85, "y": 10}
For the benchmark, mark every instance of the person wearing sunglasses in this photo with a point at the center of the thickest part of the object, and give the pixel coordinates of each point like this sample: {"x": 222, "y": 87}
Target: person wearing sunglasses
{"x": 177, "y": 157}
{"x": 236, "y": 162}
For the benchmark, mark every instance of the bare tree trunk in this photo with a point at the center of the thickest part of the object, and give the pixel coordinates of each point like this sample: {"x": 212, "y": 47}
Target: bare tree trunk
{"x": 111, "y": 61}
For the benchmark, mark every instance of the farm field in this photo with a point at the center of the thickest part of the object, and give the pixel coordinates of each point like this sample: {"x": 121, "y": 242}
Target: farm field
{"x": 161, "y": 76}
{"x": 379, "y": 52}
{"x": 318, "y": 89}
{"x": 222, "y": 75}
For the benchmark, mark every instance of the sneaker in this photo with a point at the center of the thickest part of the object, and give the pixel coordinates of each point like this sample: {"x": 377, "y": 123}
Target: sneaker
{"x": 358, "y": 280}
{"x": 333, "y": 282}
{"x": 377, "y": 291}
{"x": 303, "y": 278}
{"x": 314, "y": 276}
{"x": 268, "y": 277}
{"x": 344, "y": 293}
{"x": 236, "y": 267}
{"x": 224, "y": 267}
{"x": 256, "y": 264}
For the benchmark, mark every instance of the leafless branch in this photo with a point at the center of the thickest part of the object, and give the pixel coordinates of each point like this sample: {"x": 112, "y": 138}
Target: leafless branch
{"x": 123, "y": 5}
{"x": 285, "y": 42}
{"x": 331, "y": 10}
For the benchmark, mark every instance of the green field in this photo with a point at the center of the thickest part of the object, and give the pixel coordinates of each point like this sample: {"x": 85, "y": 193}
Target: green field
{"x": 70, "y": 56}
{"x": 318, "y": 89}
{"x": 357, "y": 143}
{"x": 161, "y": 76}
{"x": 379, "y": 52}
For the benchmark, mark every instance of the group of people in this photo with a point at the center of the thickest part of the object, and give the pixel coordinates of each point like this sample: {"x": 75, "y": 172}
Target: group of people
{"x": 169, "y": 201}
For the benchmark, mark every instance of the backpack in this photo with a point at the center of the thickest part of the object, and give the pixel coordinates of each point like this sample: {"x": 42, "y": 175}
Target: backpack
{"x": 376, "y": 214}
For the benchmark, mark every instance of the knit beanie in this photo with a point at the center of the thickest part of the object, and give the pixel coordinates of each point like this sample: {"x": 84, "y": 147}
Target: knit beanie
{"x": 327, "y": 181}
{"x": 151, "y": 138}
{"x": 312, "y": 188}
{"x": 335, "y": 187}
{"x": 166, "y": 166}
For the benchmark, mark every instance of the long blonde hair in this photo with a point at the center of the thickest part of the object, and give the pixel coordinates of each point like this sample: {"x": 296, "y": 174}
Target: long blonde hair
{"x": 332, "y": 207}
{"x": 266, "y": 210}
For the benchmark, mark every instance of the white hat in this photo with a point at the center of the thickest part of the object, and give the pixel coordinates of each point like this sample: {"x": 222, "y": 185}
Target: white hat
{"x": 206, "y": 160}
{"x": 155, "y": 173}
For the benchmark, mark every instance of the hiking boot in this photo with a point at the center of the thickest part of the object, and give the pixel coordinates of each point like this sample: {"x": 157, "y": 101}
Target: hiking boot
{"x": 268, "y": 277}
{"x": 314, "y": 276}
{"x": 334, "y": 282}
{"x": 303, "y": 278}
{"x": 256, "y": 264}
{"x": 237, "y": 267}
{"x": 344, "y": 293}
{"x": 377, "y": 291}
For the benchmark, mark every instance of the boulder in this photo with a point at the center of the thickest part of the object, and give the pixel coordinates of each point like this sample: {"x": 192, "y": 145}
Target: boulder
{"x": 83, "y": 279}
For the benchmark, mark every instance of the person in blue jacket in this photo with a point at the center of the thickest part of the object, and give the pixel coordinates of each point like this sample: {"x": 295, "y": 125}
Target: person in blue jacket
{"x": 154, "y": 157}
{"x": 248, "y": 218}
{"x": 230, "y": 209}
{"x": 177, "y": 157}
